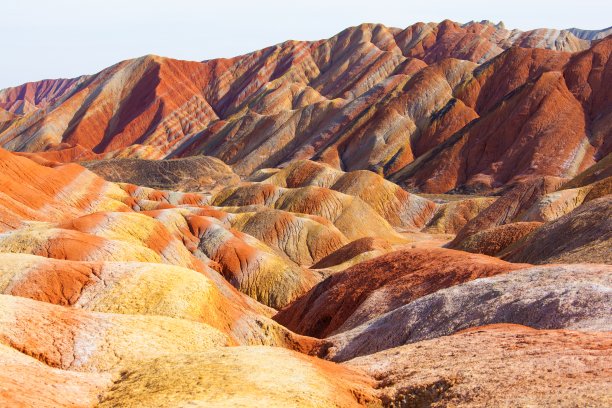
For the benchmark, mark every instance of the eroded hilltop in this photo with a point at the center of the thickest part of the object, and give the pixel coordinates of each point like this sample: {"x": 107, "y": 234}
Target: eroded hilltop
{"x": 433, "y": 107}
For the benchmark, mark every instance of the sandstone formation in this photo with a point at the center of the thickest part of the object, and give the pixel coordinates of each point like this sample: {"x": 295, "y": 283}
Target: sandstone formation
{"x": 599, "y": 171}
{"x": 429, "y": 208}
{"x": 354, "y": 252}
{"x": 398, "y": 207}
{"x": 83, "y": 341}
{"x": 517, "y": 200}
{"x": 583, "y": 235}
{"x": 494, "y": 240}
{"x": 198, "y": 173}
{"x": 595, "y": 182}
{"x": 498, "y": 365}
{"x": 38, "y": 193}
{"x": 451, "y": 216}
{"x": 32, "y": 96}
{"x": 144, "y": 289}
{"x": 372, "y": 288}
{"x": 21, "y": 374}
{"x": 545, "y": 297}
{"x": 239, "y": 376}
{"x": 395, "y": 101}
{"x": 339, "y": 208}
{"x": 189, "y": 240}
{"x": 250, "y": 265}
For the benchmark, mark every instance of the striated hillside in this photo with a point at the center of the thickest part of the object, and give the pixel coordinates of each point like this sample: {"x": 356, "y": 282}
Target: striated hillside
{"x": 434, "y": 107}
{"x": 122, "y": 295}
{"x": 386, "y": 218}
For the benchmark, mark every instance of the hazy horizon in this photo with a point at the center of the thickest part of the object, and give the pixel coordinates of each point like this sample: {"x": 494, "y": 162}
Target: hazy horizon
{"x": 68, "y": 38}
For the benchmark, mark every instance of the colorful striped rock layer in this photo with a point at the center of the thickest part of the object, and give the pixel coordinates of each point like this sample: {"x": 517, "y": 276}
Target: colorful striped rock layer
{"x": 415, "y": 217}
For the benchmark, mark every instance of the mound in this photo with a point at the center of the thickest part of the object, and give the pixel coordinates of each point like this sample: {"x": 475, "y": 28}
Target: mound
{"x": 73, "y": 339}
{"x": 304, "y": 239}
{"x": 341, "y": 209}
{"x": 397, "y": 206}
{"x": 133, "y": 288}
{"x": 20, "y": 374}
{"x": 452, "y": 216}
{"x": 354, "y": 252}
{"x": 103, "y": 237}
{"x": 498, "y": 365}
{"x": 239, "y": 376}
{"x": 511, "y": 205}
{"x": 372, "y": 288}
{"x": 251, "y": 266}
{"x": 545, "y": 297}
{"x": 554, "y": 205}
{"x": 34, "y": 192}
{"x": 198, "y": 173}
{"x": 599, "y": 171}
{"x": 494, "y": 240}
{"x": 583, "y": 235}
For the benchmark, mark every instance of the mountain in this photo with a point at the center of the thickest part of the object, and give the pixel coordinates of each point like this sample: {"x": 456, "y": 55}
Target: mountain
{"x": 387, "y": 218}
{"x": 590, "y": 34}
{"x": 396, "y": 102}
{"x": 119, "y": 294}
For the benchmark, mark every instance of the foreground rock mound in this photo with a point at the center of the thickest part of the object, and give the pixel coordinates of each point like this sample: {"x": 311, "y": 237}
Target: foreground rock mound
{"x": 148, "y": 289}
{"x": 239, "y": 376}
{"x": 370, "y": 289}
{"x": 584, "y": 235}
{"x": 545, "y": 297}
{"x": 498, "y": 365}
{"x": 26, "y": 382}
{"x": 78, "y": 340}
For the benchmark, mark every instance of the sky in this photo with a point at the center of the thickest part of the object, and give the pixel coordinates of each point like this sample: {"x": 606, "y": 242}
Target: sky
{"x": 66, "y": 38}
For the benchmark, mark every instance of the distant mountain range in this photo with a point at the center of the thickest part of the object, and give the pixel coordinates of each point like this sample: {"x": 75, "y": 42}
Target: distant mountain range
{"x": 433, "y": 107}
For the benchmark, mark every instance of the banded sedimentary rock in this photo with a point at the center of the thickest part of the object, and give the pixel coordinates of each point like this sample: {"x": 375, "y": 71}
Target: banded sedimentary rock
{"x": 371, "y": 97}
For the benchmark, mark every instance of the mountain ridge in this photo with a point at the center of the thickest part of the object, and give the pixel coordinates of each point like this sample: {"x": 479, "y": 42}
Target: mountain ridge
{"x": 359, "y": 100}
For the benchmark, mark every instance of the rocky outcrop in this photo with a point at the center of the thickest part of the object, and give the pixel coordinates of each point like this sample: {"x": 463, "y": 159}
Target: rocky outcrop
{"x": 501, "y": 365}
{"x": 599, "y": 171}
{"x": 251, "y": 266}
{"x": 451, "y": 216}
{"x": 354, "y": 252}
{"x": 372, "y": 288}
{"x": 509, "y": 207}
{"x": 370, "y": 98}
{"x": 400, "y": 208}
{"x": 583, "y": 235}
{"x": 544, "y": 297}
{"x": 494, "y": 240}
{"x": 341, "y": 209}
{"x": 198, "y": 173}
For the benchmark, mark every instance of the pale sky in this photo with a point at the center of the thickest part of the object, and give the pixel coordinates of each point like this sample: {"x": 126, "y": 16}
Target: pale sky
{"x": 66, "y": 38}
